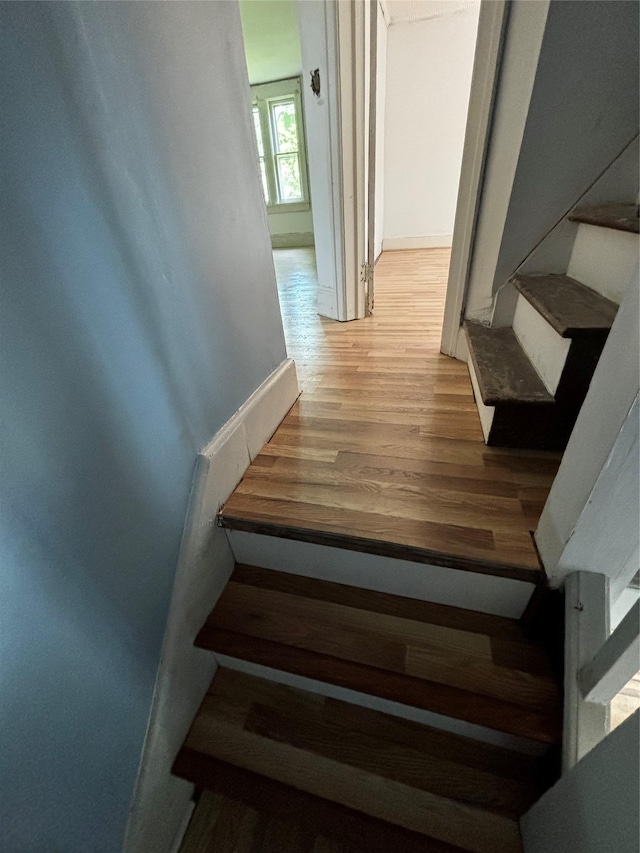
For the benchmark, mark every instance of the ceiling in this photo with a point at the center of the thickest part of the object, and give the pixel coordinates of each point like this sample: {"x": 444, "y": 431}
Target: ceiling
{"x": 409, "y": 11}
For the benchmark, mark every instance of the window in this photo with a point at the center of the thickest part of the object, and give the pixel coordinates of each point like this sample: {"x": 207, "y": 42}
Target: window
{"x": 277, "y": 121}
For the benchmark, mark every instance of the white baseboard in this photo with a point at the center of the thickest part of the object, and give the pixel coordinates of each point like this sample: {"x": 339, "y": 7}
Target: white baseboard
{"x": 454, "y": 587}
{"x": 428, "y": 241}
{"x": 295, "y": 240}
{"x": 161, "y": 801}
{"x": 385, "y": 706}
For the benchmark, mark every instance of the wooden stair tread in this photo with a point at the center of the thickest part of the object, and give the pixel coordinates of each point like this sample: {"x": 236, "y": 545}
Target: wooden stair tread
{"x": 570, "y": 307}
{"x": 247, "y": 517}
{"x": 242, "y": 812}
{"x": 365, "y": 761}
{"x": 504, "y": 373}
{"x": 620, "y": 217}
{"x": 458, "y": 663}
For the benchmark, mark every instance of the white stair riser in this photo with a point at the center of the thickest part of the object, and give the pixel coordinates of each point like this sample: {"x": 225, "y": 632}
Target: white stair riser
{"x": 604, "y": 260}
{"x": 376, "y": 703}
{"x": 439, "y": 584}
{"x": 547, "y": 351}
{"x": 486, "y": 413}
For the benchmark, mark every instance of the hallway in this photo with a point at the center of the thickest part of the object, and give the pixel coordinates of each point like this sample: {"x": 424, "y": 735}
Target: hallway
{"x": 383, "y": 452}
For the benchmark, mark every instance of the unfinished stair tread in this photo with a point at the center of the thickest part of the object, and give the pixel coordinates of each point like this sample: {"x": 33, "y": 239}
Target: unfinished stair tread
{"x": 571, "y": 308}
{"x": 620, "y": 217}
{"x": 365, "y": 761}
{"x": 484, "y": 672}
{"x": 504, "y": 373}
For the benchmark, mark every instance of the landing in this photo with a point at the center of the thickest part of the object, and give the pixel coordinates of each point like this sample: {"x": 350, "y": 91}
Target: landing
{"x": 383, "y": 451}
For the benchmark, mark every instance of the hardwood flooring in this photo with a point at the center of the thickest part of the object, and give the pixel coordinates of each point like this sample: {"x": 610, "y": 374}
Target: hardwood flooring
{"x": 456, "y": 791}
{"x": 466, "y": 665}
{"x": 383, "y": 452}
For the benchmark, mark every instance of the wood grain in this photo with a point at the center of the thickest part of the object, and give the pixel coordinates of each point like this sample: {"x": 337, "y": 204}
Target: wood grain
{"x": 383, "y": 452}
{"x": 467, "y": 665}
{"x": 293, "y": 738}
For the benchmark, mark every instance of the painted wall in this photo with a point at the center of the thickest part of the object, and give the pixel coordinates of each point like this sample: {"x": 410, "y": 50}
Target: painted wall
{"x": 578, "y": 63}
{"x": 272, "y": 48}
{"x": 381, "y": 97}
{"x": 429, "y": 65}
{"x": 139, "y": 311}
{"x": 595, "y": 807}
{"x": 587, "y": 79}
{"x": 590, "y": 519}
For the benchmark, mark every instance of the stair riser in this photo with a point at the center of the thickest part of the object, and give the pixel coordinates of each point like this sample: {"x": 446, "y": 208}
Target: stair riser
{"x": 376, "y": 703}
{"x": 470, "y": 590}
{"x": 604, "y": 260}
{"x": 545, "y": 348}
{"x": 528, "y": 426}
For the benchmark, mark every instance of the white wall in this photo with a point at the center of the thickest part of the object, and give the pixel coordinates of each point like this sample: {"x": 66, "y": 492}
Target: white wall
{"x": 139, "y": 311}
{"x": 429, "y": 65}
{"x": 590, "y": 519}
{"x": 381, "y": 97}
{"x": 595, "y": 807}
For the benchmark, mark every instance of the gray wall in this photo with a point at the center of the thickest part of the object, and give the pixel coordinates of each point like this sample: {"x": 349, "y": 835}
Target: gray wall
{"x": 595, "y": 807}
{"x": 583, "y": 113}
{"x": 139, "y": 310}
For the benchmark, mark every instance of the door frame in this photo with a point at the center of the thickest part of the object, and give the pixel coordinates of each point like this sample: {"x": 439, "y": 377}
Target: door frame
{"x": 332, "y": 36}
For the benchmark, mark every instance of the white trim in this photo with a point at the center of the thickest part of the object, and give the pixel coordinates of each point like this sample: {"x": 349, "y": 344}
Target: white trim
{"x": 386, "y": 706}
{"x": 586, "y": 629}
{"x": 295, "y": 240}
{"x": 160, "y": 800}
{"x": 182, "y": 829}
{"x": 485, "y": 413}
{"x": 616, "y": 661}
{"x": 428, "y": 241}
{"x": 470, "y": 590}
{"x": 491, "y": 27}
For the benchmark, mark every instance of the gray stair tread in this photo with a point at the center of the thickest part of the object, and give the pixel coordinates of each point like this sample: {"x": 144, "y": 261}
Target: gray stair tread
{"x": 504, "y": 373}
{"x": 570, "y": 307}
{"x": 620, "y": 217}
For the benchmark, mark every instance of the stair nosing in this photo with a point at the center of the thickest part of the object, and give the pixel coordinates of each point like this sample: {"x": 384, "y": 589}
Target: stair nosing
{"x": 384, "y": 548}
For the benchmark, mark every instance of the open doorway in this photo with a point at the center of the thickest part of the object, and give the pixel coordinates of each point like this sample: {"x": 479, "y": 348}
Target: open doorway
{"x": 274, "y": 65}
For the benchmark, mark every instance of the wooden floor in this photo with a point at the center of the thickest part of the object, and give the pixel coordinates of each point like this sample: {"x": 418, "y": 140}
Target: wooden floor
{"x": 384, "y": 447}
{"x": 460, "y": 793}
{"x": 466, "y": 665}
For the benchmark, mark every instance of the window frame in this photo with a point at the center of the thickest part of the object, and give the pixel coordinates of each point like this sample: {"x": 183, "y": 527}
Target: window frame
{"x": 263, "y": 97}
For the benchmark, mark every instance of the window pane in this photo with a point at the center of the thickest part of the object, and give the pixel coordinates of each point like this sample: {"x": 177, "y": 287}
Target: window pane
{"x": 289, "y": 177}
{"x": 258, "y": 131}
{"x": 286, "y": 131}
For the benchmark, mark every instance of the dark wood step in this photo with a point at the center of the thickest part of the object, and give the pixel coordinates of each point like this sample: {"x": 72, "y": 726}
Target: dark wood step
{"x": 571, "y": 308}
{"x": 241, "y": 812}
{"x": 457, "y": 663}
{"x": 445, "y": 787}
{"x": 503, "y": 370}
{"x": 620, "y": 217}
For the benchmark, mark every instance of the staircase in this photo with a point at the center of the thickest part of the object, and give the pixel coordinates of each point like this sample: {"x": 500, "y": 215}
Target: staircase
{"x": 530, "y": 380}
{"x": 378, "y": 719}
